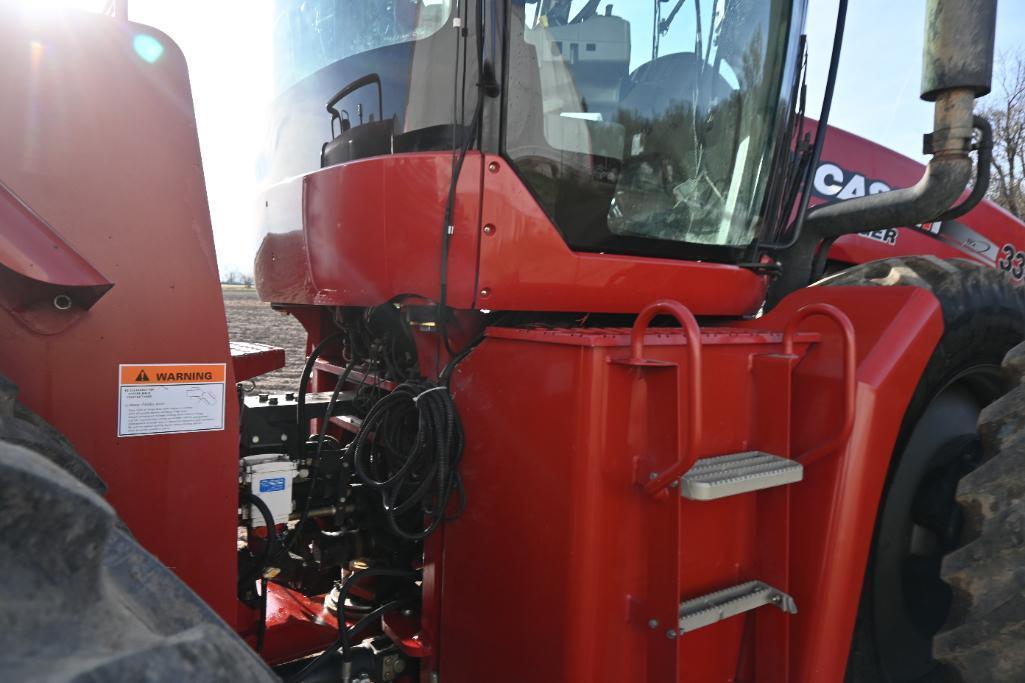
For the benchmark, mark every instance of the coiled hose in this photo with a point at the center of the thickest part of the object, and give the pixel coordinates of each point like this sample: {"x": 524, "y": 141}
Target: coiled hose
{"x": 408, "y": 449}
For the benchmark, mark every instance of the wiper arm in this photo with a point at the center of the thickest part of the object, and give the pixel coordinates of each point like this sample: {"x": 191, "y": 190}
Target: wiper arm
{"x": 587, "y": 12}
{"x": 663, "y": 26}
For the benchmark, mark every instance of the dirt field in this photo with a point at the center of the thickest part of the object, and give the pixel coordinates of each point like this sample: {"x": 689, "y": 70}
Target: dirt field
{"x": 251, "y": 320}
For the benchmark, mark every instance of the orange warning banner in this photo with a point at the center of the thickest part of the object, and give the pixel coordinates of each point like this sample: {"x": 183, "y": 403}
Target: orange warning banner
{"x": 172, "y": 374}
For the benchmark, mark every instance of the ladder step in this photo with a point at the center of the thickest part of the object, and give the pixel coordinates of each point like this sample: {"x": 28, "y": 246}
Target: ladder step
{"x": 714, "y": 607}
{"x": 730, "y": 475}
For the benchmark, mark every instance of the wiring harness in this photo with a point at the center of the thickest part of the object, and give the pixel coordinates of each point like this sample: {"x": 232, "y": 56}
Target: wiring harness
{"x": 408, "y": 449}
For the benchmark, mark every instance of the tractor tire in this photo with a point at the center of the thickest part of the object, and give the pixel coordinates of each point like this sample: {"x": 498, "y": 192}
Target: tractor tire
{"x": 80, "y": 599}
{"x": 986, "y": 628}
{"x": 904, "y": 601}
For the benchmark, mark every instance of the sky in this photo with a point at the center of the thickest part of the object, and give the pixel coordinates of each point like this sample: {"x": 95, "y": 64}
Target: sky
{"x": 227, "y": 45}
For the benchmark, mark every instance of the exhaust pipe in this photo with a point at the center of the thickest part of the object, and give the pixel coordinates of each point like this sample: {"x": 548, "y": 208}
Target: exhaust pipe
{"x": 957, "y": 68}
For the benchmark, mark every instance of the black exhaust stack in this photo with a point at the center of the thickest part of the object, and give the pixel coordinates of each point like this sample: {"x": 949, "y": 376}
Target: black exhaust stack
{"x": 957, "y": 68}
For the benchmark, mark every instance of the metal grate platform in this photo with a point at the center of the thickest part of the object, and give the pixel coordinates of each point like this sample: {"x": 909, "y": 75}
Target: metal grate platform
{"x": 714, "y": 607}
{"x": 730, "y": 475}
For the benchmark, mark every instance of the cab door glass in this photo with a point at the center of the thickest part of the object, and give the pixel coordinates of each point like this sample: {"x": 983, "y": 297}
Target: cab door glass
{"x": 640, "y": 119}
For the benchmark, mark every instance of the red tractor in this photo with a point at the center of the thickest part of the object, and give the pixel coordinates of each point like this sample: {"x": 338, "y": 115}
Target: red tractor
{"x": 618, "y": 368}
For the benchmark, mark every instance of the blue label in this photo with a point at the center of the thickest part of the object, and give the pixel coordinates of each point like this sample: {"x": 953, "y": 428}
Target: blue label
{"x": 268, "y": 485}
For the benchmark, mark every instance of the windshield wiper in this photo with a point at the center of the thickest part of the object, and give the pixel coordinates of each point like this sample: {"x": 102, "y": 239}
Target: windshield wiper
{"x": 663, "y": 26}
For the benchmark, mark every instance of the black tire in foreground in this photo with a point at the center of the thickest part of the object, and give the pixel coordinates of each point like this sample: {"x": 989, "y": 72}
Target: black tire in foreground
{"x": 985, "y": 636}
{"x": 80, "y": 600}
{"x": 904, "y": 601}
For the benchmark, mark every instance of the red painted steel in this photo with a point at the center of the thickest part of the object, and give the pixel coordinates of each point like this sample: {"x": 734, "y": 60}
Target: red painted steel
{"x": 689, "y": 447}
{"x": 32, "y": 249}
{"x": 525, "y": 265}
{"x": 588, "y": 560}
{"x": 849, "y": 381}
{"x": 44, "y": 283}
{"x": 109, "y": 155}
{"x": 297, "y": 625}
{"x": 365, "y": 252}
{"x": 371, "y": 231}
{"x": 252, "y": 360}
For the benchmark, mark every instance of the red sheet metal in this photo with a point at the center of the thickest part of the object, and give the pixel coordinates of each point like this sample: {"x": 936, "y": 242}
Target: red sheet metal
{"x": 586, "y": 562}
{"x": 297, "y": 625}
{"x": 252, "y": 360}
{"x": 109, "y": 155}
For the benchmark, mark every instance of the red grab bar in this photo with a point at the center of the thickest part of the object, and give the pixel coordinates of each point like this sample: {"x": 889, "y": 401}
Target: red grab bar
{"x": 849, "y": 378}
{"x": 688, "y": 450}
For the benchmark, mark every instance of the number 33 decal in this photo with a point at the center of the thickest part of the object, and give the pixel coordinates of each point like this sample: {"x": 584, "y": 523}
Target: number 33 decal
{"x": 1013, "y": 261}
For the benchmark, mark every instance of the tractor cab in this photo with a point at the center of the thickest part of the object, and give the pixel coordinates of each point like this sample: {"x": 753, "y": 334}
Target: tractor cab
{"x": 652, "y": 129}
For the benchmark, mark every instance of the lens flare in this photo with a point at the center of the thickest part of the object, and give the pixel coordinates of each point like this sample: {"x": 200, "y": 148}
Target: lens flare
{"x": 147, "y": 47}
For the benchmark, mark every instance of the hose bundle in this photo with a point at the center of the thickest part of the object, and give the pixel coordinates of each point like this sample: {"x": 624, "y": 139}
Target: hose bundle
{"x": 408, "y": 449}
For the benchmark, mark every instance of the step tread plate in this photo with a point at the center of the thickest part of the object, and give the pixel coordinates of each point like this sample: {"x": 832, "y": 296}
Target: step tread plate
{"x": 730, "y": 475}
{"x": 711, "y": 608}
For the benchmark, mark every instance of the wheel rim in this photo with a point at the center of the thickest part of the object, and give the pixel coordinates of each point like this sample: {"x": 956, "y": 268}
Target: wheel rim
{"x": 920, "y": 523}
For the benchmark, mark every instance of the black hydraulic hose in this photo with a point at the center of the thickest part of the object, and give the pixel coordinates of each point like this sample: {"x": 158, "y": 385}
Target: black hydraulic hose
{"x": 408, "y": 450}
{"x": 315, "y": 466}
{"x": 343, "y": 640}
{"x": 354, "y": 578}
{"x": 268, "y": 549}
{"x": 272, "y": 535}
{"x": 300, "y": 415}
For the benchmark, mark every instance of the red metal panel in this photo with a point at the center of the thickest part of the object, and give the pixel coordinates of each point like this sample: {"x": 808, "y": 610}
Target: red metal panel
{"x": 252, "y": 360}
{"x": 834, "y": 509}
{"x": 566, "y": 559}
{"x": 296, "y": 625}
{"x": 44, "y": 282}
{"x": 373, "y": 231}
{"x": 103, "y": 144}
{"x": 31, "y": 248}
{"x": 525, "y": 265}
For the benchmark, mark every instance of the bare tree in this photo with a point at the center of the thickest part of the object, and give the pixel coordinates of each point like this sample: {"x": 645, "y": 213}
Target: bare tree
{"x": 1006, "y": 111}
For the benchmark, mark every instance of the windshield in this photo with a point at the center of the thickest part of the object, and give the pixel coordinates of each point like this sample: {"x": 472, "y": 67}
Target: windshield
{"x": 310, "y": 34}
{"x": 641, "y": 121}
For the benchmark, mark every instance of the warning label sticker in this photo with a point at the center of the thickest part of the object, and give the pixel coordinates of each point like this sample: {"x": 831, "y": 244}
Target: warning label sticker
{"x": 170, "y": 398}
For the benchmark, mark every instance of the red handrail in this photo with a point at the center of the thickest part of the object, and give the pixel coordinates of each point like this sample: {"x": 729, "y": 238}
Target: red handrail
{"x": 849, "y": 377}
{"x": 687, "y": 450}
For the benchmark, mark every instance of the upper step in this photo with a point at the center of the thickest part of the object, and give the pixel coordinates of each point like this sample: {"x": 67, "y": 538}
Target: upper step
{"x": 731, "y": 475}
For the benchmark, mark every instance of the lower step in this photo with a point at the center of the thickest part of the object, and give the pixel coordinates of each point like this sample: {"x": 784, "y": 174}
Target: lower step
{"x": 714, "y": 607}
{"x": 731, "y": 475}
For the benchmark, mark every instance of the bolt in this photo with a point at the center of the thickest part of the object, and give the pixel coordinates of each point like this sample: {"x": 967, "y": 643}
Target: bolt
{"x": 284, "y": 437}
{"x": 399, "y": 665}
{"x": 62, "y": 302}
{"x": 653, "y": 476}
{"x": 652, "y": 623}
{"x": 671, "y": 634}
{"x": 493, "y": 167}
{"x": 256, "y": 439}
{"x": 485, "y": 293}
{"x": 407, "y": 612}
{"x": 489, "y": 229}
